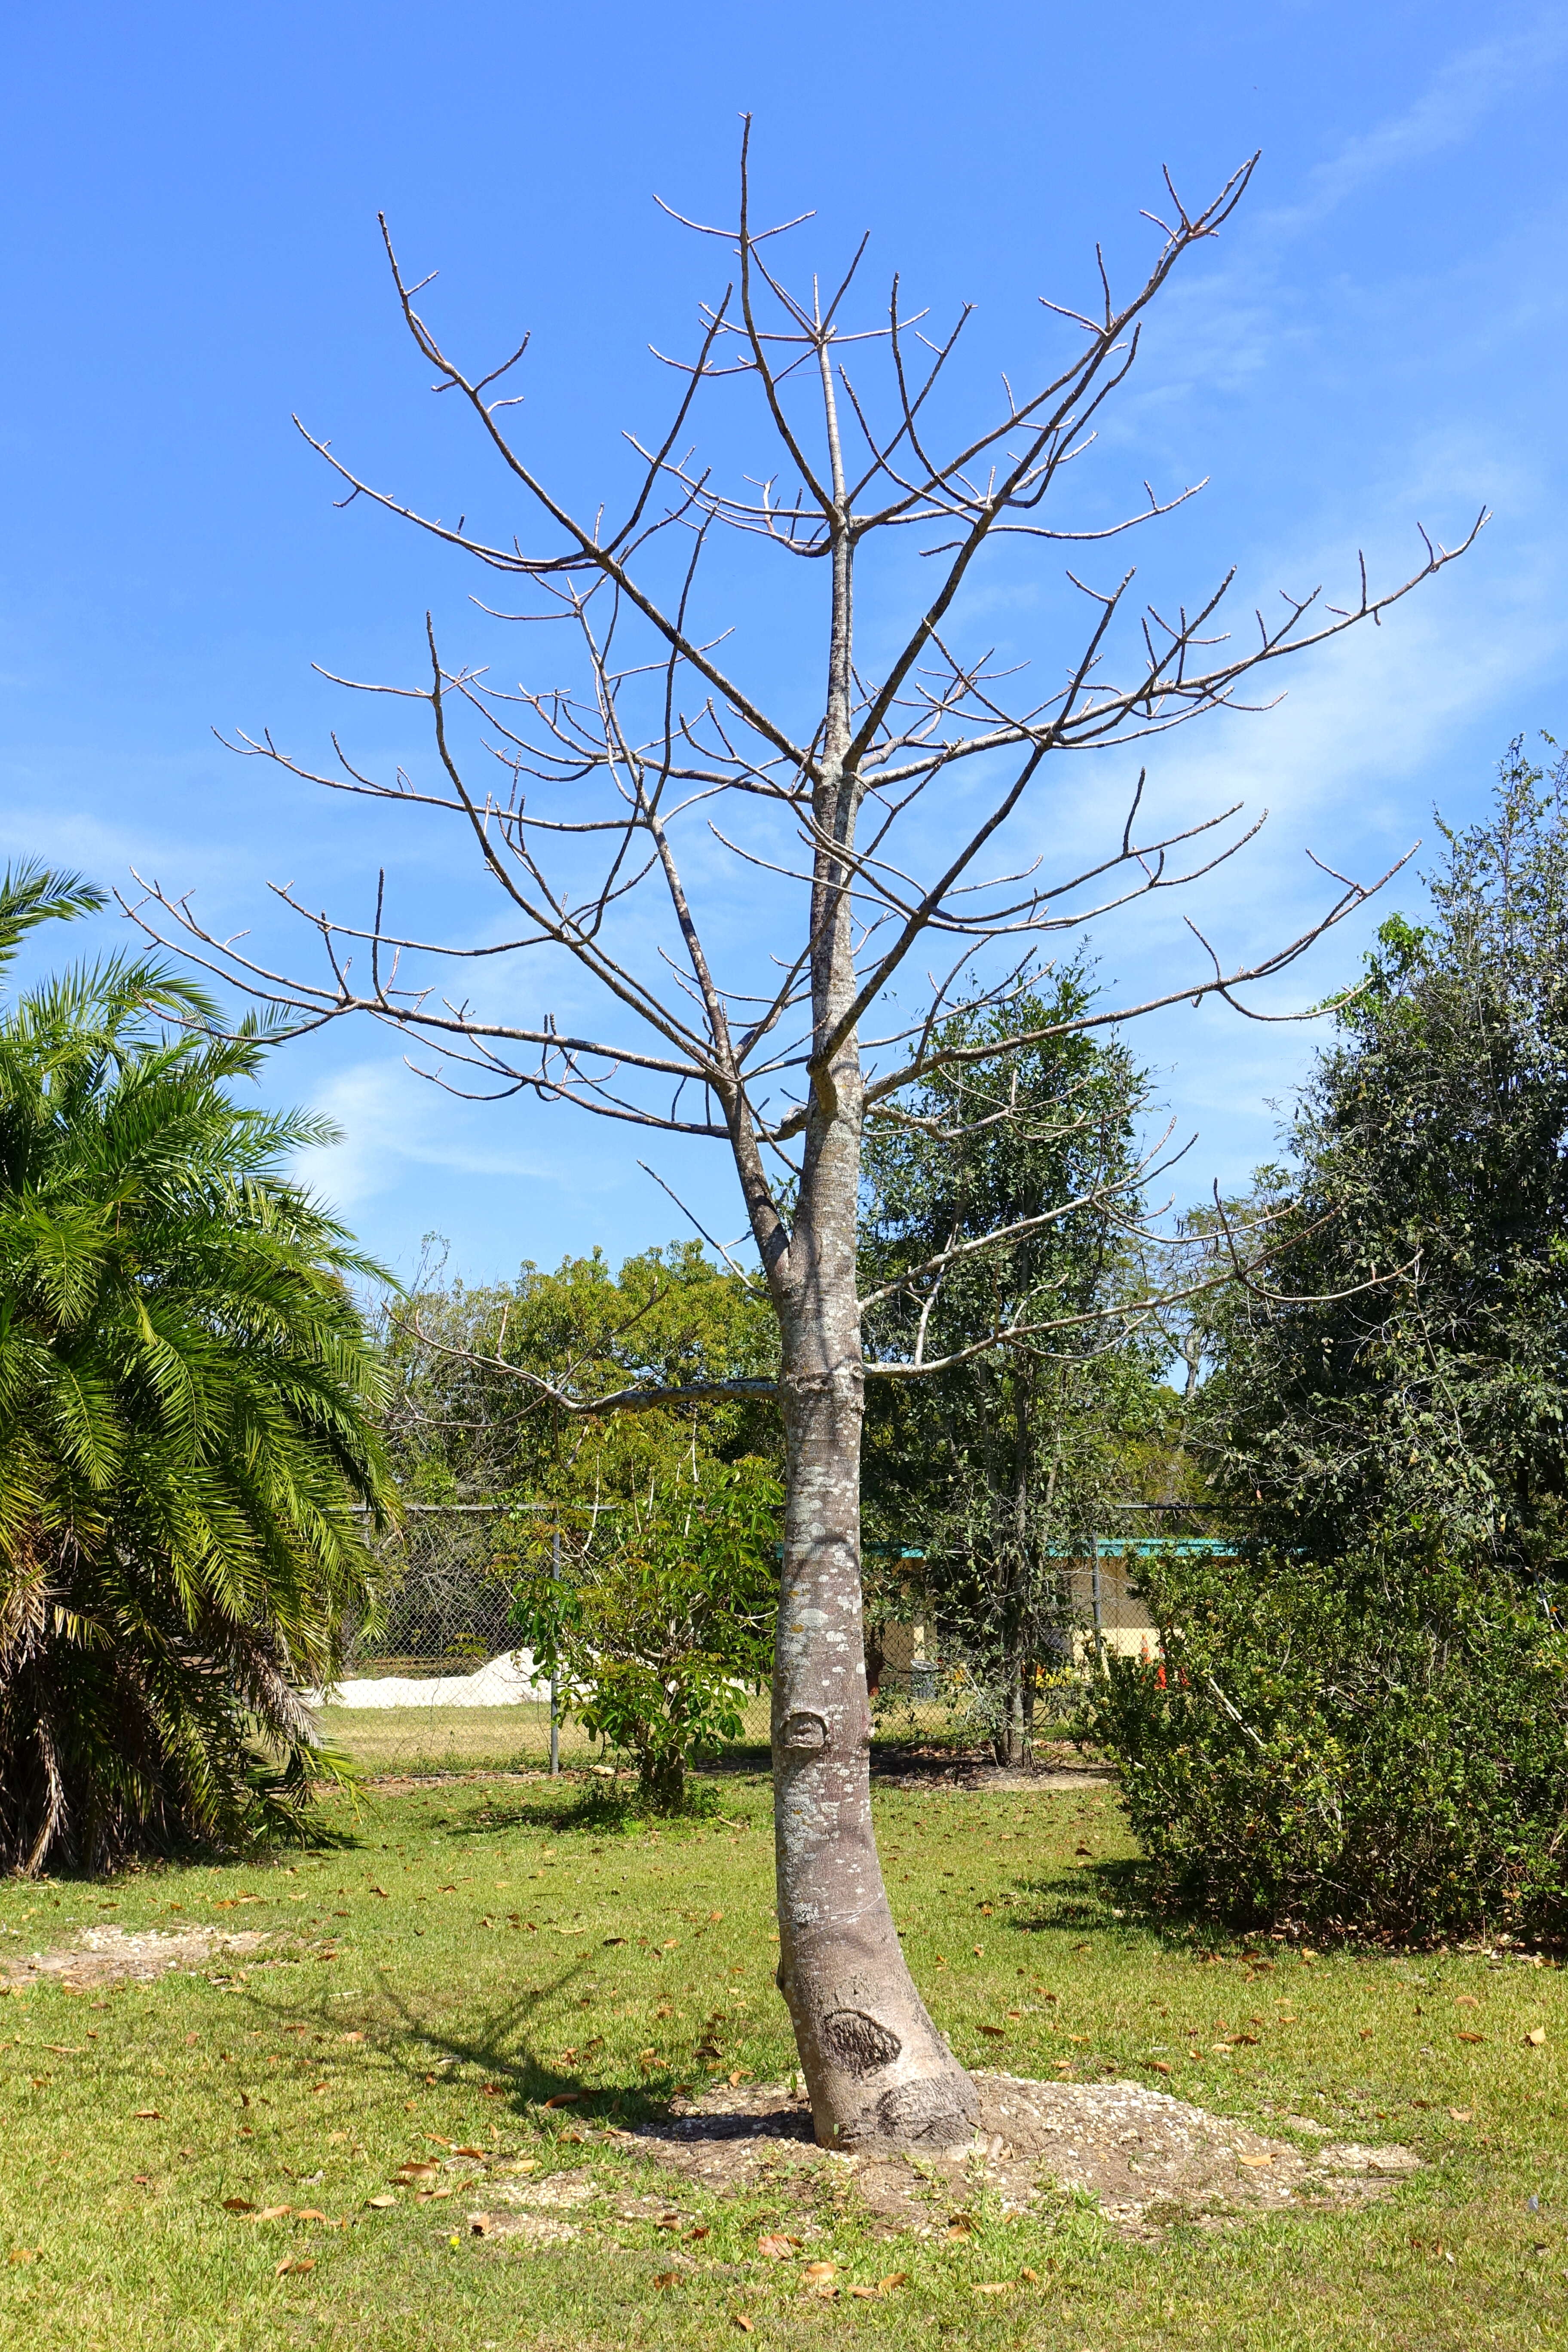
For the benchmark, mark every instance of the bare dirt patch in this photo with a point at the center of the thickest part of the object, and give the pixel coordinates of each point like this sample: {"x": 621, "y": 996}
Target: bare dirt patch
{"x": 1146, "y": 2158}
{"x": 530, "y": 2211}
{"x": 102, "y": 1956}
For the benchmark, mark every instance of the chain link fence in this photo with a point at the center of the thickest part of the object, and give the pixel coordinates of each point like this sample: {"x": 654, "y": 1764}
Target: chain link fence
{"x": 444, "y": 1651}
{"x": 449, "y": 1572}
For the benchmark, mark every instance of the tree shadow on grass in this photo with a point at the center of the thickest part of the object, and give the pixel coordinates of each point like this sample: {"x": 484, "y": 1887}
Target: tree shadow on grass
{"x": 1115, "y": 1898}
{"x": 596, "y": 1811}
{"x": 500, "y": 2053}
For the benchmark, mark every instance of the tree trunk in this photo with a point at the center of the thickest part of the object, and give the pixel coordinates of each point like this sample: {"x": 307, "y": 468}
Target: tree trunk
{"x": 875, "y": 2065}
{"x": 661, "y": 1773}
{"x": 1011, "y": 1743}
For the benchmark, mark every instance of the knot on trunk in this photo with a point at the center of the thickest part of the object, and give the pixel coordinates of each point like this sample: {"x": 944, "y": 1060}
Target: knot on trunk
{"x": 821, "y": 1380}
{"x": 804, "y": 1734}
{"x": 932, "y": 2114}
{"x": 859, "y": 2043}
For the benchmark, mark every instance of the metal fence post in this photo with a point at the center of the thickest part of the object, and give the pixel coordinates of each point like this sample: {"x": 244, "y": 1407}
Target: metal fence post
{"x": 1094, "y": 1601}
{"x": 554, "y": 1704}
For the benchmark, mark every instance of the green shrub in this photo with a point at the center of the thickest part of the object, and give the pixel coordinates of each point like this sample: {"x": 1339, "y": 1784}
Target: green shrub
{"x": 1380, "y": 1745}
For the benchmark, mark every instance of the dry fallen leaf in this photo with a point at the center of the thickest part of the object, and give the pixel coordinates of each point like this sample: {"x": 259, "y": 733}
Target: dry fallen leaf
{"x": 1032, "y": 2277}
{"x": 1461, "y": 2115}
{"x": 238, "y": 2205}
{"x": 1366, "y": 2033}
{"x": 565, "y": 2099}
{"x": 667, "y": 2278}
{"x": 479, "y": 2225}
{"x": 819, "y": 2272}
{"x": 1257, "y": 2160}
{"x": 416, "y": 2169}
{"x": 379, "y": 2204}
{"x": 312, "y": 2213}
{"x": 23, "y": 2254}
{"x": 997, "y": 2032}
{"x": 295, "y": 2263}
{"x": 1159, "y": 2066}
{"x": 1470, "y": 2037}
{"x": 742, "y": 2322}
{"x": 1000, "y": 2287}
{"x": 274, "y": 2212}
{"x": 893, "y": 2279}
{"x": 776, "y": 2249}
{"x": 1536, "y": 2036}
{"x": 148, "y": 2116}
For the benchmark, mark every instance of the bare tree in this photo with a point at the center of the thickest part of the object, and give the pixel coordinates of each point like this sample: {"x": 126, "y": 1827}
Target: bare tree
{"x": 654, "y": 764}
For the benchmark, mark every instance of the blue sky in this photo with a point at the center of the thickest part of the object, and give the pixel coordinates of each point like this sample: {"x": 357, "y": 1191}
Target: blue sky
{"x": 192, "y": 254}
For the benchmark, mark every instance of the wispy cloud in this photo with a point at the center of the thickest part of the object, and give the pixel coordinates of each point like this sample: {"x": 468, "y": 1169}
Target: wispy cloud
{"x": 1457, "y": 98}
{"x": 392, "y": 1122}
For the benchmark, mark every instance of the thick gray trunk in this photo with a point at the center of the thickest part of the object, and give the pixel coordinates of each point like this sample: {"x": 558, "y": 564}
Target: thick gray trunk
{"x": 875, "y": 2067}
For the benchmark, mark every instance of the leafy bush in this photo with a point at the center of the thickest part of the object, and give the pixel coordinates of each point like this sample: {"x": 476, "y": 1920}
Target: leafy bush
{"x": 663, "y": 1620}
{"x": 1379, "y": 1744}
{"x": 189, "y": 1414}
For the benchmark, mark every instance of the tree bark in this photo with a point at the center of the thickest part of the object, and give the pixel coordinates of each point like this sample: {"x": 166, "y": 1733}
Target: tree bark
{"x": 875, "y": 2067}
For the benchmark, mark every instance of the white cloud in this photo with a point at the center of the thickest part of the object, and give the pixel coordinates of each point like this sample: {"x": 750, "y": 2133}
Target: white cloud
{"x": 1460, "y": 94}
{"x": 393, "y": 1121}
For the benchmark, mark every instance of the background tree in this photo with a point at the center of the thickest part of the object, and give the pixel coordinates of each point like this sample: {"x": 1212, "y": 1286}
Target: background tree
{"x": 485, "y": 1379}
{"x": 650, "y": 1592}
{"x": 189, "y": 1421}
{"x": 1363, "y": 1716}
{"x": 1429, "y": 1146}
{"x": 642, "y": 1546}
{"x": 1000, "y": 1467}
{"x": 655, "y": 756}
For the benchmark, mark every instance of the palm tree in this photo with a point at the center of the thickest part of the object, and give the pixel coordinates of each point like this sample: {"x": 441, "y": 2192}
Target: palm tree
{"x": 190, "y": 1455}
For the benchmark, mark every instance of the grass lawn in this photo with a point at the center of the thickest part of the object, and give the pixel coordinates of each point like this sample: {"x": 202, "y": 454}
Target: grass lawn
{"x": 450, "y": 1966}
{"x": 423, "y": 1739}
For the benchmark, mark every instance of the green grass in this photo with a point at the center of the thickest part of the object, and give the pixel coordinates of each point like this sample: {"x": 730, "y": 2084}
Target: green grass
{"x": 469, "y": 1992}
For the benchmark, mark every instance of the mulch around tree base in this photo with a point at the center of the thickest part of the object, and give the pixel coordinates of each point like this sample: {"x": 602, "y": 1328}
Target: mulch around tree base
{"x": 1147, "y": 2158}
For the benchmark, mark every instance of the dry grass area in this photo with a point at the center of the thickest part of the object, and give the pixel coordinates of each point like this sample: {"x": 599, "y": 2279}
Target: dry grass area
{"x": 411, "y": 1742}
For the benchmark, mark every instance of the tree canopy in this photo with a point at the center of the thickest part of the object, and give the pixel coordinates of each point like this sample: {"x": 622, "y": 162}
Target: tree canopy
{"x": 1401, "y": 1369}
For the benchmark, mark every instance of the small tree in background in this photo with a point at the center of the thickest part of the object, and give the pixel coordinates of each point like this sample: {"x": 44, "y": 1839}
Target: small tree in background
{"x": 643, "y": 1547}
{"x": 651, "y": 1597}
{"x": 997, "y": 1467}
{"x": 189, "y": 1421}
